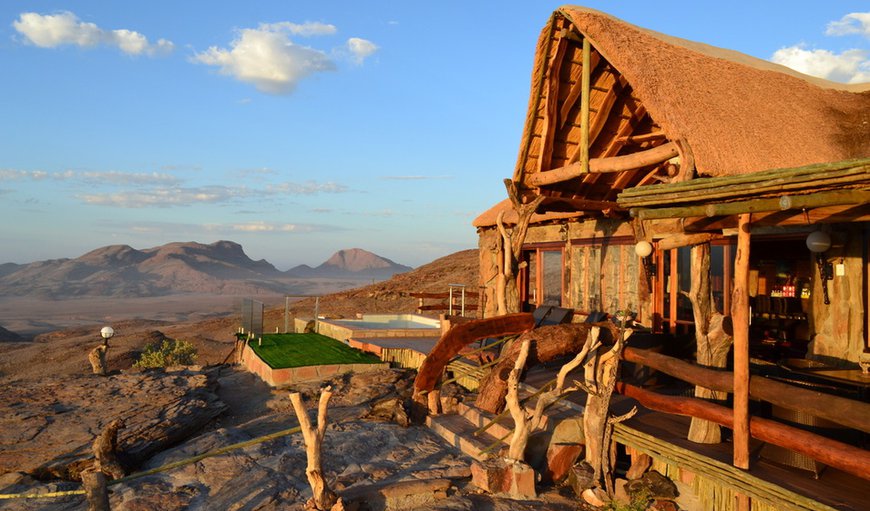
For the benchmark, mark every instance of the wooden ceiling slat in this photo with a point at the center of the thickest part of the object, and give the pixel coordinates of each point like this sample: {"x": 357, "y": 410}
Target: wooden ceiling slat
{"x": 551, "y": 112}
{"x": 575, "y": 90}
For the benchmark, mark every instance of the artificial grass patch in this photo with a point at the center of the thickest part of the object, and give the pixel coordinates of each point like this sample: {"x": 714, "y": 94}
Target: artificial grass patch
{"x": 281, "y": 351}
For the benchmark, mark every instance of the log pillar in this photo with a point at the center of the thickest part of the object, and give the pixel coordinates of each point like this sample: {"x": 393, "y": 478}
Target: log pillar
{"x": 96, "y": 492}
{"x": 323, "y": 497}
{"x": 97, "y": 358}
{"x": 740, "y": 319}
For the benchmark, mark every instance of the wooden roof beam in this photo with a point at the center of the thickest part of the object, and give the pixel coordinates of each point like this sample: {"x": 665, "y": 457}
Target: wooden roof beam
{"x": 551, "y": 110}
{"x": 603, "y": 165}
{"x": 576, "y": 90}
{"x": 639, "y": 139}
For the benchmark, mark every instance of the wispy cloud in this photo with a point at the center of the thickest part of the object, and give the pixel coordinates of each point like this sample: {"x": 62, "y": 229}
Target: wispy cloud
{"x": 166, "y": 197}
{"x": 266, "y": 57}
{"x": 65, "y": 28}
{"x": 852, "y": 23}
{"x": 307, "y": 29}
{"x": 307, "y": 188}
{"x": 361, "y": 49}
{"x": 413, "y": 178}
{"x": 108, "y": 177}
{"x": 271, "y": 227}
{"x": 254, "y": 172}
{"x": 848, "y": 66}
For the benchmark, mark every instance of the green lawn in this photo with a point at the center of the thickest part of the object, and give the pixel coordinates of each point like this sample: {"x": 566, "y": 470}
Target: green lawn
{"x": 295, "y": 350}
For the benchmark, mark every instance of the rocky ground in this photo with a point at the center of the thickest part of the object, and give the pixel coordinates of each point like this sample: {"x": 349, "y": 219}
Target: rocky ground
{"x": 58, "y": 407}
{"x": 366, "y": 459}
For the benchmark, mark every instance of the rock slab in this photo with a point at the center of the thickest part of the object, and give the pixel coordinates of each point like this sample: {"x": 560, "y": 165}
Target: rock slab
{"x": 49, "y": 425}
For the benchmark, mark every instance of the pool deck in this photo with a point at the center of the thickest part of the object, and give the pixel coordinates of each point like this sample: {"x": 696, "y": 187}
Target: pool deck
{"x": 376, "y": 345}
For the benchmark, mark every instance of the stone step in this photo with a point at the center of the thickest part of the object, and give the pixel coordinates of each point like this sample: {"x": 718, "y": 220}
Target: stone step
{"x": 457, "y": 431}
{"x": 557, "y": 412}
{"x": 479, "y": 418}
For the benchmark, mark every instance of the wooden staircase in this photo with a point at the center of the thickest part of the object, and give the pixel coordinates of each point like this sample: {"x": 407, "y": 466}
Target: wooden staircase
{"x": 458, "y": 428}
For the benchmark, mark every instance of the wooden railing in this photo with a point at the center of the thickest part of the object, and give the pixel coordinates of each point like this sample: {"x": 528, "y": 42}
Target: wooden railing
{"x": 455, "y": 303}
{"x": 847, "y": 412}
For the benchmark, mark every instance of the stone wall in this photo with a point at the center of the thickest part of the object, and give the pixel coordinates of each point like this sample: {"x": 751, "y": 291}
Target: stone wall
{"x": 277, "y": 377}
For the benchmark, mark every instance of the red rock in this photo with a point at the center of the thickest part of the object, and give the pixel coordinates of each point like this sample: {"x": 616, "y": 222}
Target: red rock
{"x": 504, "y": 477}
{"x": 560, "y": 459}
{"x": 640, "y": 463}
{"x": 664, "y": 505}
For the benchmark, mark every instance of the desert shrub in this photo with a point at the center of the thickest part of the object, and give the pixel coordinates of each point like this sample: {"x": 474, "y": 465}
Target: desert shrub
{"x": 169, "y": 352}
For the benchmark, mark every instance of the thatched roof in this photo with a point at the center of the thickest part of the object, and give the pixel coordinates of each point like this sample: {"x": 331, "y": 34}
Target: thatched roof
{"x": 724, "y": 113}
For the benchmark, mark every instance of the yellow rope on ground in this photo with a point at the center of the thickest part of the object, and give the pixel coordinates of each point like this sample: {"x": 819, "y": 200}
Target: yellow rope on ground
{"x": 50, "y": 495}
{"x": 162, "y": 468}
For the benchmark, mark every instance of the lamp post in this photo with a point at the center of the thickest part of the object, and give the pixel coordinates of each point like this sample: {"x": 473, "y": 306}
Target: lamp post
{"x": 819, "y": 242}
{"x": 106, "y": 333}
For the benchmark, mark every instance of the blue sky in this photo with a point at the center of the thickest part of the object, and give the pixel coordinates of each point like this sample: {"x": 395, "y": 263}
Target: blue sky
{"x": 301, "y": 128}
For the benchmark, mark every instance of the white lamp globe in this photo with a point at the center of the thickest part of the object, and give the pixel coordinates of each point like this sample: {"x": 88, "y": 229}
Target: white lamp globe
{"x": 643, "y": 248}
{"x": 107, "y": 332}
{"x": 818, "y": 241}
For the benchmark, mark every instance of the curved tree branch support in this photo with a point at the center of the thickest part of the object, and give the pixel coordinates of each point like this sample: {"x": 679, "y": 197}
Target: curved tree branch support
{"x": 600, "y": 380}
{"x": 551, "y": 342}
{"x": 105, "y": 449}
{"x": 507, "y": 293}
{"x": 323, "y": 498}
{"x": 710, "y": 337}
{"x": 97, "y": 358}
{"x": 510, "y": 476}
{"x": 521, "y": 426}
{"x": 548, "y": 398}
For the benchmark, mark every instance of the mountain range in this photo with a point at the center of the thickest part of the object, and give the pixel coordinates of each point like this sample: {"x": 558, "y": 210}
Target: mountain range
{"x": 217, "y": 268}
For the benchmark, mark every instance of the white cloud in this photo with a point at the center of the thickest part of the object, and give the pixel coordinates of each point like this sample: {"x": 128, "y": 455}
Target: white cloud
{"x": 361, "y": 49}
{"x": 126, "y": 178}
{"x": 308, "y": 188}
{"x": 850, "y": 66}
{"x": 165, "y": 197}
{"x": 268, "y": 59}
{"x": 852, "y": 23}
{"x": 269, "y": 227}
{"x": 413, "y": 178}
{"x": 65, "y": 28}
{"x": 110, "y": 177}
{"x": 307, "y": 29}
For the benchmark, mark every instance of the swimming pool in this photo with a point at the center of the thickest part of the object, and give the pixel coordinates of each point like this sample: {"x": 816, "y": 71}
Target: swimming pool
{"x": 380, "y": 325}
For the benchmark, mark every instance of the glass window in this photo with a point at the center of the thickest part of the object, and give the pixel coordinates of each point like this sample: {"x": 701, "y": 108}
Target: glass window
{"x": 552, "y": 278}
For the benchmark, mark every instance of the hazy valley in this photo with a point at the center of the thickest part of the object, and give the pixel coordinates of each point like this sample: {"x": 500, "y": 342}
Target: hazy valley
{"x": 176, "y": 282}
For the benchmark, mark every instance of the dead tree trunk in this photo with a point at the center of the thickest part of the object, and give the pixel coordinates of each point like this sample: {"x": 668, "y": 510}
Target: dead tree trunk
{"x": 551, "y": 342}
{"x": 96, "y": 492}
{"x": 599, "y": 381}
{"x": 550, "y": 397}
{"x": 508, "y": 297}
{"x": 712, "y": 342}
{"x": 323, "y": 498}
{"x": 97, "y": 358}
{"x": 521, "y": 426}
{"x": 105, "y": 450}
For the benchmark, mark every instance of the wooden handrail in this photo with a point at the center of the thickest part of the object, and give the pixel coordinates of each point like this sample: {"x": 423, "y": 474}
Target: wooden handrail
{"x": 839, "y": 455}
{"x": 844, "y": 411}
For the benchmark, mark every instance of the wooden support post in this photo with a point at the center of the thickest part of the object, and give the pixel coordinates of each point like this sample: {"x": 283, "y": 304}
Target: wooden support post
{"x": 521, "y": 426}
{"x": 710, "y": 337}
{"x": 584, "y": 106}
{"x": 323, "y": 498}
{"x": 740, "y": 318}
{"x": 96, "y": 492}
{"x": 97, "y": 358}
{"x": 105, "y": 449}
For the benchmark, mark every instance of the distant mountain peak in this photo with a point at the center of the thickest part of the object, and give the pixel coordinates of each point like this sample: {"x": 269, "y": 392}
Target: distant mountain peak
{"x": 357, "y": 259}
{"x": 353, "y": 262}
